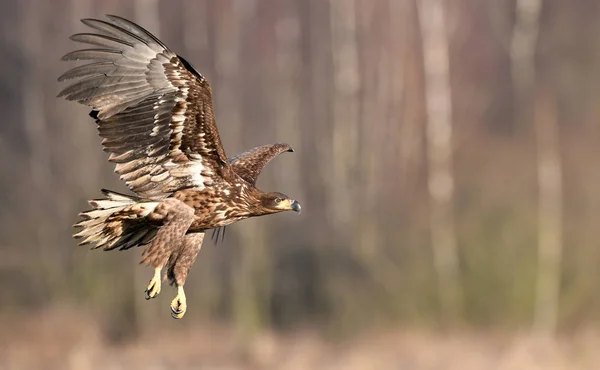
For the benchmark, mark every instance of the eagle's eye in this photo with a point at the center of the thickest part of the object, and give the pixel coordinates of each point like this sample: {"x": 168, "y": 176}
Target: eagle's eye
{"x": 278, "y": 200}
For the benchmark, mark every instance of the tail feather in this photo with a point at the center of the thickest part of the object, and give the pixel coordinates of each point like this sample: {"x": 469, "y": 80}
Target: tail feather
{"x": 117, "y": 221}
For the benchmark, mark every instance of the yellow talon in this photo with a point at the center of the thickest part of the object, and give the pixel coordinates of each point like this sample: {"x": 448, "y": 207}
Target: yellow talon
{"x": 153, "y": 288}
{"x": 179, "y": 305}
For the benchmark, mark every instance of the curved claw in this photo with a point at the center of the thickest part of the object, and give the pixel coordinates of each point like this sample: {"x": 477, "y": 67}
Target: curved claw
{"x": 150, "y": 293}
{"x": 178, "y": 305}
{"x": 153, "y": 288}
{"x": 176, "y": 311}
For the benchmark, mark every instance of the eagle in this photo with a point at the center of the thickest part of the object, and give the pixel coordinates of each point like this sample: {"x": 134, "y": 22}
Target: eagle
{"x": 155, "y": 115}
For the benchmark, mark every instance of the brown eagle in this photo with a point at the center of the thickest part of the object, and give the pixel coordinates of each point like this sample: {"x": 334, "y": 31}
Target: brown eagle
{"x": 155, "y": 114}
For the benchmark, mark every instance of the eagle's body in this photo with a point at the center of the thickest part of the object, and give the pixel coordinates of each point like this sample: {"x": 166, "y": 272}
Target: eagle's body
{"x": 155, "y": 114}
{"x": 219, "y": 207}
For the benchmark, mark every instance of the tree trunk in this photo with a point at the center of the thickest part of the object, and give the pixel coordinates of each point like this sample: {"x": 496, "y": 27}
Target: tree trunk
{"x": 346, "y": 83}
{"x": 287, "y": 102}
{"x": 522, "y": 55}
{"x": 549, "y": 213}
{"x": 531, "y": 92}
{"x": 35, "y": 125}
{"x": 432, "y": 20}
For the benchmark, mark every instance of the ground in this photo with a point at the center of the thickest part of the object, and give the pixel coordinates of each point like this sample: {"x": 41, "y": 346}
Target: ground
{"x": 59, "y": 339}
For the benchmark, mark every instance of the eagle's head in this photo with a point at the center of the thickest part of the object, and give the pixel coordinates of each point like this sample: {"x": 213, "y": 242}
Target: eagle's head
{"x": 277, "y": 202}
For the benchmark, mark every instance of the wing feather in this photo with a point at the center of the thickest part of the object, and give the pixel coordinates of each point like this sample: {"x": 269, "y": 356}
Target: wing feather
{"x": 103, "y": 40}
{"x": 93, "y": 54}
{"x": 98, "y": 68}
{"x": 154, "y": 111}
{"x": 249, "y": 165}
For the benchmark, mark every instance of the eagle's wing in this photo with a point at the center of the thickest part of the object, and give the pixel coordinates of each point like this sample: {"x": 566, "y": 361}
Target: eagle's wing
{"x": 154, "y": 111}
{"x": 249, "y": 165}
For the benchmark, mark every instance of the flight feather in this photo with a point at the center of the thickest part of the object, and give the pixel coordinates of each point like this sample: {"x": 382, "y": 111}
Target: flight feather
{"x": 248, "y": 165}
{"x": 153, "y": 109}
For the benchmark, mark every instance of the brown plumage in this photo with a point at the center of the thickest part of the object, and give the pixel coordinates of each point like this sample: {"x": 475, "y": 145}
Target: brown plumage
{"x": 248, "y": 165}
{"x": 155, "y": 114}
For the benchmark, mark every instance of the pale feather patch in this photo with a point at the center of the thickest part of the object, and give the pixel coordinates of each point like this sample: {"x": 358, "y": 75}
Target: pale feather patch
{"x": 161, "y": 177}
{"x": 119, "y": 197}
{"x": 98, "y": 213}
{"x": 193, "y": 169}
{"x": 148, "y": 207}
{"x": 195, "y": 156}
{"x": 220, "y": 214}
{"x": 156, "y": 128}
{"x": 97, "y": 229}
{"x": 108, "y": 203}
{"x": 179, "y": 128}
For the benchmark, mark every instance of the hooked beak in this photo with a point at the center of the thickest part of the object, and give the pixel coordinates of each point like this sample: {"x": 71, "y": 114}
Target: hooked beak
{"x": 296, "y": 207}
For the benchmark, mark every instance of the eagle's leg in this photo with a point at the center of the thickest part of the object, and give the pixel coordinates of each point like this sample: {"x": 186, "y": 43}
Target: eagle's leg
{"x": 178, "y": 269}
{"x": 153, "y": 288}
{"x": 176, "y": 217}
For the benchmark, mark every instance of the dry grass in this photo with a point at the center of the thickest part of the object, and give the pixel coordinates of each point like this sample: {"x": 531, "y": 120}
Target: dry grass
{"x": 61, "y": 339}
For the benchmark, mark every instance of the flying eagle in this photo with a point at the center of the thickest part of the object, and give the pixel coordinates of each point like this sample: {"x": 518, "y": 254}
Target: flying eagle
{"x": 155, "y": 114}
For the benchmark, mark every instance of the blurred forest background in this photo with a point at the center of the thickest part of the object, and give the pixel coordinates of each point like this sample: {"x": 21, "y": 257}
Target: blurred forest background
{"x": 445, "y": 161}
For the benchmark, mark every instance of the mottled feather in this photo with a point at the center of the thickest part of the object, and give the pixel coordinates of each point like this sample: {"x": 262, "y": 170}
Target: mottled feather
{"x": 249, "y": 165}
{"x": 153, "y": 109}
{"x": 155, "y": 115}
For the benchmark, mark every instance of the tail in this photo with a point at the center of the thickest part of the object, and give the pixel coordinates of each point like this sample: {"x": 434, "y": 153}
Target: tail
{"x": 118, "y": 221}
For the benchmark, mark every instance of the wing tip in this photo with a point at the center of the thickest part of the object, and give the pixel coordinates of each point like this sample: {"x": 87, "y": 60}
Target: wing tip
{"x": 88, "y": 20}
{"x": 75, "y": 37}
{"x": 84, "y": 216}
{"x": 113, "y": 16}
{"x": 286, "y": 147}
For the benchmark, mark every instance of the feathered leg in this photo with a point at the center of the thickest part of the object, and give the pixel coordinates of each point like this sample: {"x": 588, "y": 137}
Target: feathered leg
{"x": 178, "y": 269}
{"x": 177, "y": 218}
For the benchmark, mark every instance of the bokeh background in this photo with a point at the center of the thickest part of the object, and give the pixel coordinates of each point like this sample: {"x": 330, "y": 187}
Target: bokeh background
{"x": 446, "y": 162}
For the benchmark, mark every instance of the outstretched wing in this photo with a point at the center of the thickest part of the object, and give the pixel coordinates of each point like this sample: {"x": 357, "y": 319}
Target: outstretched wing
{"x": 249, "y": 165}
{"x": 154, "y": 111}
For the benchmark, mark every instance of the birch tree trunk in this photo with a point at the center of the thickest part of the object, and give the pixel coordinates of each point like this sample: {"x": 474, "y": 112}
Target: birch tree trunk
{"x": 376, "y": 85}
{"x": 407, "y": 149}
{"x": 549, "y": 213}
{"x": 316, "y": 107}
{"x": 35, "y": 124}
{"x": 33, "y": 96}
{"x": 522, "y": 52}
{"x": 346, "y": 82}
{"x": 79, "y": 173}
{"x": 287, "y": 102}
{"x": 532, "y": 89}
{"x": 432, "y": 20}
